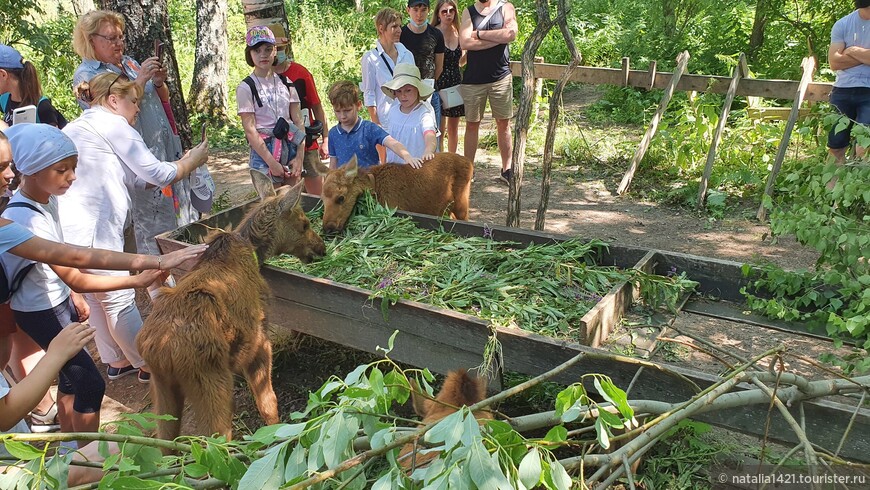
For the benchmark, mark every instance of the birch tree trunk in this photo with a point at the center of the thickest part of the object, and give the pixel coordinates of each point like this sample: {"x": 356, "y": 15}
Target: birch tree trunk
{"x": 148, "y": 21}
{"x": 208, "y": 90}
{"x": 81, "y": 7}
{"x": 268, "y": 12}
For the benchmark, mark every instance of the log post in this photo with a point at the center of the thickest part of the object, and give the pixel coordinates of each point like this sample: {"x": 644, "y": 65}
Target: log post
{"x": 808, "y": 66}
{"x": 723, "y": 119}
{"x": 682, "y": 61}
{"x": 626, "y": 70}
{"x": 539, "y": 92}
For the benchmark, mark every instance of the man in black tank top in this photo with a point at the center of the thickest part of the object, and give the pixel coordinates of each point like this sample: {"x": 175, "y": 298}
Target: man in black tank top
{"x": 486, "y": 30}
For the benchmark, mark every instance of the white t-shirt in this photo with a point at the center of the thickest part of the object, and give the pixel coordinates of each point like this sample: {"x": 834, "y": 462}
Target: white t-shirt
{"x": 377, "y": 69}
{"x": 42, "y": 288}
{"x": 275, "y": 96}
{"x": 113, "y": 158}
{"x": 408, "y": 129}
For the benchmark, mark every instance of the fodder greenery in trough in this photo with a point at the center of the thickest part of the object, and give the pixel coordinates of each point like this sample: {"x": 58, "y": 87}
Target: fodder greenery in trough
{"x": 540, "y": 288}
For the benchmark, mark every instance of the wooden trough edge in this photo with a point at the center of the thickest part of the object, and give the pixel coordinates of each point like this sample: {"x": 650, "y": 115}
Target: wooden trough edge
{"x": 443, "y": 339}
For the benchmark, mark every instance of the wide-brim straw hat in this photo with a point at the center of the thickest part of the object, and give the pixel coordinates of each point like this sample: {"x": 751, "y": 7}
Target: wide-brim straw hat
{"x": 406, "y": 74}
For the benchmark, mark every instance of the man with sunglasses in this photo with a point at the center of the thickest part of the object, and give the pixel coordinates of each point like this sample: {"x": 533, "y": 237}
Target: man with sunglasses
{"x": 426, "y": 43}
{"x": 486, "y": 31}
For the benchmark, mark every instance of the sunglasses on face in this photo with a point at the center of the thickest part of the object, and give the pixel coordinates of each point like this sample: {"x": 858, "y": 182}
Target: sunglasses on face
{"x": 449, "y": 10}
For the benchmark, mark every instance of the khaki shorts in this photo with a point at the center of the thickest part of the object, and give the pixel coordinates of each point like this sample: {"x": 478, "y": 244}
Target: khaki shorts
{"x": 500, "y": 95}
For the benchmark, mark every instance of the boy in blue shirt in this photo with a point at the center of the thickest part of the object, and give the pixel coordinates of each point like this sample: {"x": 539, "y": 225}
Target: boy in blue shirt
{"x": 354, "y": 136}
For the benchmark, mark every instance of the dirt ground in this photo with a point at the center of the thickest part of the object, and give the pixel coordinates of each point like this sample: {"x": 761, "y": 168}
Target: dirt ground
{"x": 581, "y": 204}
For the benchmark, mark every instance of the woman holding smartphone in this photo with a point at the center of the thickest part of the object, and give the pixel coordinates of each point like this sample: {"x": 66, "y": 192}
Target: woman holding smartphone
{"x": 98, "y": 38}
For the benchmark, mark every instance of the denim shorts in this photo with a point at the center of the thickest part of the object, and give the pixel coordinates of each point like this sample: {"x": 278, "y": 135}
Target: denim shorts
{"x": 260, "y": 165}
{"x": 854, "y": 103}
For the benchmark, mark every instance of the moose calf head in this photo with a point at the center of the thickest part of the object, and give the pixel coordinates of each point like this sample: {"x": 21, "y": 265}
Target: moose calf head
{"x": 279, "y": 225}
{"x": 341, "y": 188}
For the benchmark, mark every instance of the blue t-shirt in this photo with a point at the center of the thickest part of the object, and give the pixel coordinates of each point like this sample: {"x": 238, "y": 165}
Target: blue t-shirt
{"x": 359, "y": 141}
{"x": 13, "y": 235}
{"x": 852, "y": 30}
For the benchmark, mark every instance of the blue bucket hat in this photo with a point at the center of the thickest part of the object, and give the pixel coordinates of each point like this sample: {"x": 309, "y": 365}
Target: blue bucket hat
{"x": 10, "y": 58}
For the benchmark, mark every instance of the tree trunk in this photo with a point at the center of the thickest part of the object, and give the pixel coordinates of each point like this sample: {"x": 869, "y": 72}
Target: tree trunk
{"x": 359, "y": 5}
{"x": 756, "y": 39}
{"x": 148, "y": 21}
{"x": 267, "y": 12}
{"x": 81, "y": 7}
{"x": 208, "y": 90}
{"x": 524, "y": 110}
{"x": 555, "y": 109}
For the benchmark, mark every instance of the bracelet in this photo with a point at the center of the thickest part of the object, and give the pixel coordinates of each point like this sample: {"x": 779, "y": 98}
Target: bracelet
{"x": 157, "y": 86}
{"x": 159, "y": 263}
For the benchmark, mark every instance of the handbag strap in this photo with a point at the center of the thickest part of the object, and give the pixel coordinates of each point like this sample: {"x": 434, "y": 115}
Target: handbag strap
{"x": 386, "y": 62}
{"x": 498, "y": 5}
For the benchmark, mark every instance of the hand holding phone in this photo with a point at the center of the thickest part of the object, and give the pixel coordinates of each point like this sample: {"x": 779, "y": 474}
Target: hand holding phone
{"x": 158, "y": 51}
{"x": 202, "y": 138}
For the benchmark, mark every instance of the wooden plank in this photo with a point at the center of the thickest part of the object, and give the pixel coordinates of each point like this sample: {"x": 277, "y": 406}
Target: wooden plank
{"x": 682, "y": 61}
{"x": 720, "y": 127}
{"x": 652, "y": 75}
{"x": 808, "y": 66}
{"x": 750, "y": 87}
{"x": 598, "y": 322}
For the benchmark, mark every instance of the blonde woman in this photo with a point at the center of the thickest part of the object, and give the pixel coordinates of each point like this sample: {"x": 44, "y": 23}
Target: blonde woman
{"x": 445, "y": 18}
{"x": 113, "y": 159}
{"x": 99, "y": 39}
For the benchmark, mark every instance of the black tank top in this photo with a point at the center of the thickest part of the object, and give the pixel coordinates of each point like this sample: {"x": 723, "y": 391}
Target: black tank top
{"x": 491, "y": 64}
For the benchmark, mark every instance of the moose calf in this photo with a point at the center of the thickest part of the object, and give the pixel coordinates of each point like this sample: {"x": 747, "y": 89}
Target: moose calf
{"x": 212, "y": 324}
{"x": 442, "y": 185}
{"x": 459, "y": 389}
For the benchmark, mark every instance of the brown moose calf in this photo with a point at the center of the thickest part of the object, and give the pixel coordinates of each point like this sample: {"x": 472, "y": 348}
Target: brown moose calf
{"x": 442, "y": 185}
{"x": 459, "y": 389}
{"x": 212, "y": 324}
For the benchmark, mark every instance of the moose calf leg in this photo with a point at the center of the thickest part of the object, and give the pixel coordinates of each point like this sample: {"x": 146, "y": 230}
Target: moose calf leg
{"x": 259, "y": 376}
{"x": 211, "y": 398}
{"x": 168, "y": 400}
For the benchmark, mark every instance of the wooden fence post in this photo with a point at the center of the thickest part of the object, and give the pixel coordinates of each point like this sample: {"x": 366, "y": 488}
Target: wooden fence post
{"x": 740, "y": 71}
{"x": 682, "y": 61}
{"x": 625, "y": 70}
{"x": 539, "y": 92}
{"x": 808, "y": 66}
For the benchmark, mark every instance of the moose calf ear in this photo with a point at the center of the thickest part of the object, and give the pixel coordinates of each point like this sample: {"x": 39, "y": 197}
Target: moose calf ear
{"x": 351, "y": 168}
{"x": 263, "y": 184}
{"x": 290, "y": 196}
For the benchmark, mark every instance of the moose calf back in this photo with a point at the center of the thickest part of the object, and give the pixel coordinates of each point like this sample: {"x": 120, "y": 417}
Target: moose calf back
{"x": 442, "y": 185}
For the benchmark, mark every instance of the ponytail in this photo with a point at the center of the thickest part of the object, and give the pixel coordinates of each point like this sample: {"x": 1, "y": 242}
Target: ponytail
{"x": 30, "y": 91}
{"x": 28, "y": 83}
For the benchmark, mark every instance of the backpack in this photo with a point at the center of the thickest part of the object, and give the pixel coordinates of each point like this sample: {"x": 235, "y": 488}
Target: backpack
{"x": 7, "y": 97}
{"x": 7, "y": 288}
{"x": 256, "y": 94}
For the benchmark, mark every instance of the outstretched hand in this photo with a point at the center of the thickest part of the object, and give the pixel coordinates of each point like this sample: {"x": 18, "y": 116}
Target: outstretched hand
{"x": 174, "y": 259}
{"x": 71, "y": 339}
{"x": 414, "y": 162}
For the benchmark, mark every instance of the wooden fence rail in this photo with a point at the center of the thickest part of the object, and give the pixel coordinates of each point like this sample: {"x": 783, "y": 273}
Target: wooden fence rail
{"x": 753, "y": 87}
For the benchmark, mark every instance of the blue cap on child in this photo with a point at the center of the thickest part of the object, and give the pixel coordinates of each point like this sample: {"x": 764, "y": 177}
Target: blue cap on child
{"x": 36, "y": 146}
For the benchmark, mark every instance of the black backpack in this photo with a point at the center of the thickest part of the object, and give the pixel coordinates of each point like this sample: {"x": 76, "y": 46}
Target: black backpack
{"x": 8, "y": 288}
{"x": 287, "y": 83}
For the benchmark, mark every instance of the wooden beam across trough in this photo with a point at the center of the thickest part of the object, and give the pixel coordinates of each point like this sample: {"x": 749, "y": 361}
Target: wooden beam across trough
{"x": 443, "y": 339}
{"x": 755, "y": 87}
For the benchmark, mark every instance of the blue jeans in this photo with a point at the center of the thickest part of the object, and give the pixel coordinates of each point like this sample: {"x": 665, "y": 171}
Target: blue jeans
{"x": 260, "y": 165}
{"x": 854, "y": 103}
{"x": 436, "y": 104}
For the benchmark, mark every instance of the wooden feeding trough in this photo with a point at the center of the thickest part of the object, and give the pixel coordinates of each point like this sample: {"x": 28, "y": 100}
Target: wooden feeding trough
{"x": 444, "y": 339}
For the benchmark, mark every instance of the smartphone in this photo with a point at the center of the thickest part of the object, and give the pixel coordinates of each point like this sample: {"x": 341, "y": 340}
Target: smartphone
{"x": 25, "y": 114}
{"x": 202, "y": 138}
{"x": 158, "y": 51}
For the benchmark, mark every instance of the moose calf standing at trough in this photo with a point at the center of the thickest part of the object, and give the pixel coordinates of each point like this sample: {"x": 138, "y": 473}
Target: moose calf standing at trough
{"x": 459, "y": 389}
{"x": 442, "y": 185}
{"x": 212, "y": 324}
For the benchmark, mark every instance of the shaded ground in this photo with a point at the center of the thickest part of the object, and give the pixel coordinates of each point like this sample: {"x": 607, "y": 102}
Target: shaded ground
{"x": 582, "y": 203}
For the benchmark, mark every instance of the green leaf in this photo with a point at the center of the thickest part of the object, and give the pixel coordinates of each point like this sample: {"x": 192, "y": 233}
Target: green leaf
{"x": 616, "y": 396}
{"x": 557, "y": 435}
{"x": 602, "y": 433}
{"x": 289, "y": 431}
{"x": 195, "y": 470}
{"x": 530, "y": 469}
{"x": 133, "y": 483}
{"x": 559, "y": 476}
{"x": 266, "y": 472}
{"x": 384, "y": 483}
{"x": 447, "y": 431}
{"x": 22, "y": 450}
{"x": 484, "y": 471}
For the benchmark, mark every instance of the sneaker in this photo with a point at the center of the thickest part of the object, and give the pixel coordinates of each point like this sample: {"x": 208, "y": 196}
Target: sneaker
{"x": 46, "y": 422}
{"x": 506, "y": 176}
{"x": 144, "y": 377}
{"x": 114, "y": 373}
